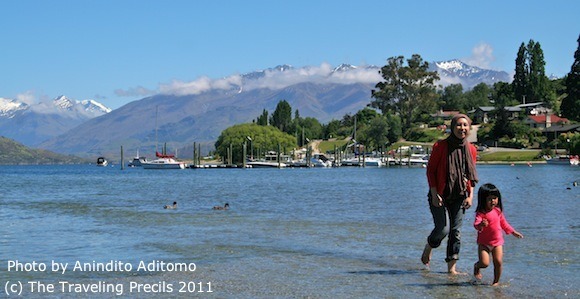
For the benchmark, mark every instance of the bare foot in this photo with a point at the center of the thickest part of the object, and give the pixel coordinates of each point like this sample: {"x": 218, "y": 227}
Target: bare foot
{"x": 495, "y": 284}
{"x": 426, "y": 256}
{"x": 451, "y": 268}
{"x": 477, "y": 272}
{"x": 455, "y": 272}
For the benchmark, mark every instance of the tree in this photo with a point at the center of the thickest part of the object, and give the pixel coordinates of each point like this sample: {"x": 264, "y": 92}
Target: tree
{"x": 452, "y": 97}
{"x": 520, "y": 82}
{"x": 263, "y": 138}
{"x": 332, "y": 129}
{"x": 478, "y": 96}
{"x": 571, "y": 103}
{"x": 530, "y": 82}
{"x": 407, "y": 90}
{"x": 540, "y": 88}
{"x": 282, "y": 117}
{"x": 263, "y": 119}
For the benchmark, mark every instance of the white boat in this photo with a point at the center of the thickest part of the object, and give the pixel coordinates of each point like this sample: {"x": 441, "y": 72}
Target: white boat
{"x": 373, "y": 162}
{"x": 137, "y": 161}
{"x": 320, "y": 160}
{"x": 368, "y": 162}
{"x": 271, "y": 160}
{"x": 163, "y": 162}
{"x": 420, "y": 160}
{"x": 101, "y": 161}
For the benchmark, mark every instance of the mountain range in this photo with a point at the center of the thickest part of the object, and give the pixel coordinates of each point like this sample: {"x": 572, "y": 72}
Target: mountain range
{"x": 33, "y": 123}
{"x": 186, "y": 112}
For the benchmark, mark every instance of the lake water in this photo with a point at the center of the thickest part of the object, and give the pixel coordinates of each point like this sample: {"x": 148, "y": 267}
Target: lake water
{"x": 289, "y": 233}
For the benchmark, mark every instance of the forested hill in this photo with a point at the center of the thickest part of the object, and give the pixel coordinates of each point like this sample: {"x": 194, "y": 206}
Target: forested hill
{"x": 12, "y": 152}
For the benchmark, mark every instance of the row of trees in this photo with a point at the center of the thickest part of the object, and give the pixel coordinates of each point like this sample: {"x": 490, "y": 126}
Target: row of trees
{"x": 408, "y": 97}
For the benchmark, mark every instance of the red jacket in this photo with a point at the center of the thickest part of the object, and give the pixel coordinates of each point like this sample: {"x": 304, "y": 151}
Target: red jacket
{"x": 437, "y": 165}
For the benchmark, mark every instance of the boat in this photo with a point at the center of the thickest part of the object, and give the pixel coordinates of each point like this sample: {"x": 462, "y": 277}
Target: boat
{"x": 563, "y": 160}
{"x": 320, "y": 160}
{"x": 270, "y": 160}
{"x": 101, "y": 161}
{"x": 163, "y": 161}
{"x": 420, "y": 160}
{"x": 137, "y": 161}
{"x": 368, "y": 162}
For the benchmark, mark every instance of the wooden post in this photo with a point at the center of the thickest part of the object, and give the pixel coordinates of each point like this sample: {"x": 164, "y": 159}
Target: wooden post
{"x": 244, "y": 156}
{"x": 194, "y": 155}
{"x": 122, "y": 159}
{"x": 278, "y": 156}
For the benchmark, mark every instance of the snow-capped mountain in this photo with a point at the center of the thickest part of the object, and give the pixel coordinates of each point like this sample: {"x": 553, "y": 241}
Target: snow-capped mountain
{"x": 90, "y": 107}
{"x": 34, "y": 123}
{"x": 9, "y": 107}
{"x": 457, "y": 72}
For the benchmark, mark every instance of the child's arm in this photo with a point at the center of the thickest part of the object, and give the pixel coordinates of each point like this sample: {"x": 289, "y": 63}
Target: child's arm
{"x": 517, "y": 235}
{"x": 508, "y": 228}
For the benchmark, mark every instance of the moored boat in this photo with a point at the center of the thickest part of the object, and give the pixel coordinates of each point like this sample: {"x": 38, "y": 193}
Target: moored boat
{"x": 163, "y": 162}
{"x": 101, "y": 161}
{"x": 271, "y": 160}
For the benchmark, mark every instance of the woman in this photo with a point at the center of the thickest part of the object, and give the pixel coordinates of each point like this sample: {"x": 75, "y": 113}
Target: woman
{"x": 452, "y": 177}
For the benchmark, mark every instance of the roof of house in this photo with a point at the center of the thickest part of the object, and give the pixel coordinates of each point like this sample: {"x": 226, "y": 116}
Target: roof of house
{"x": 541, "y": 119}
{"x": 563, "y": 128}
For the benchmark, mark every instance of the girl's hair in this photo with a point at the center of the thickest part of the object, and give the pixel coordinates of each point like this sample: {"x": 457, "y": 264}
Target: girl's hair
{"x": 484, "y": 191}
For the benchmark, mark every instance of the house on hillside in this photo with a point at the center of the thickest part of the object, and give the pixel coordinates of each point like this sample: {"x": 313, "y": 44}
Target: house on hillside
{"x": 484, "y": 114}
{"x": 554, "y": 131}
{"x": 545, "y": 121}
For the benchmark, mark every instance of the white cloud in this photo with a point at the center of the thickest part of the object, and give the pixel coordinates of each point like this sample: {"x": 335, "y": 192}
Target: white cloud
{"x": 203, "y": 84}
{"x": 320, "y": 74}
{"x": 481, "y": 56}
{"x": 272, "y": 79}
{"x": 28, "y": 98}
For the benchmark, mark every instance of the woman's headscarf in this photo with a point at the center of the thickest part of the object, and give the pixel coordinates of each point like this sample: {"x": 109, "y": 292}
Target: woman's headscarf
{"x": 461, "y": 168}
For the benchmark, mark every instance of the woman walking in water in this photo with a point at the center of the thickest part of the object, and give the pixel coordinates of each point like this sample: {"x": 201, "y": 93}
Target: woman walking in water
{"x": 452, "y": 176}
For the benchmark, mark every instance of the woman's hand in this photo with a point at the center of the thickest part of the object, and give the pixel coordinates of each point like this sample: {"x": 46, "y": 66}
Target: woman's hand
{"x": 467, "y": 202}
{"x": 436, "y": 199}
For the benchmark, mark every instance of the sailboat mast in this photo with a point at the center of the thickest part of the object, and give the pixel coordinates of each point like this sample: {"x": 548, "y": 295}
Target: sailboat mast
{"x": 156, "y": 112}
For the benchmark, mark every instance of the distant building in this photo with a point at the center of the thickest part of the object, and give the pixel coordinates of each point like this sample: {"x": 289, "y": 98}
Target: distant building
{"x": 484, "y": 114}
{"x": 545, "y": 121}
{"x": 554, "y": 131}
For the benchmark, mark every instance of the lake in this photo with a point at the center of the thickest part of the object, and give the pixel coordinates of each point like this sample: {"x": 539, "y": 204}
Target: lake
{"x": 289, "y": 233}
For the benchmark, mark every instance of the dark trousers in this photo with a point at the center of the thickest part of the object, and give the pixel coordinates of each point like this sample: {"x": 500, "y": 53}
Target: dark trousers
{"x": 455, "y": 211}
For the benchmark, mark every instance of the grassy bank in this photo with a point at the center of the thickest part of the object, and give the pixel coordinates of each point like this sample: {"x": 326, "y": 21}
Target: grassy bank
{"x": 492, "y": 155}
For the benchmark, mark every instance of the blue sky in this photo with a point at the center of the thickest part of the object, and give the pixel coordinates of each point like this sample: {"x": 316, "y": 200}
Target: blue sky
{"x": 119, "y": 51}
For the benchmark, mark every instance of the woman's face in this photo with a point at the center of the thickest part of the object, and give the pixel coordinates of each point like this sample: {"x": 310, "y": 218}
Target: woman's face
{"x": 461, "y": 129}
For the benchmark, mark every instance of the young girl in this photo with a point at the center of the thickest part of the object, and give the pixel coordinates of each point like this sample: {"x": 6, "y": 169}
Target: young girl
{"x": 489, "y": 222}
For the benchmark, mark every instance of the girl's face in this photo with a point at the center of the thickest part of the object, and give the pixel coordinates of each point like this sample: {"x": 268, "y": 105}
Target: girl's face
{"x": 491, "y": 202}
{"x": 462, "y": 128}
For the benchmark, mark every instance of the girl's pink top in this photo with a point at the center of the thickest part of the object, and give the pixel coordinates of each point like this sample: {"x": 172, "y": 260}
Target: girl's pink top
{"x": 491, "y": 235}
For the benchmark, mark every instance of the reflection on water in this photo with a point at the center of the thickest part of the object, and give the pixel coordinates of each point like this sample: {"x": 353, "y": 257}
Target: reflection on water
{"x": 327, "y": 233}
